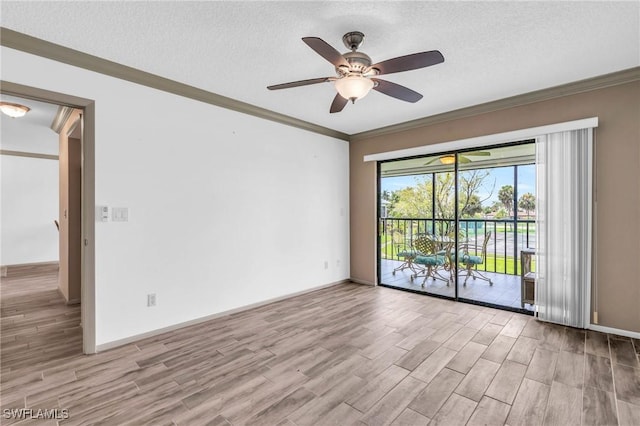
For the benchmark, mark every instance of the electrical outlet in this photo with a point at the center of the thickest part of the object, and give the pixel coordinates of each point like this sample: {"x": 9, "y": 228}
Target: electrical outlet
{"x": 151, "y": 300}
{"x": 326, "y": 264}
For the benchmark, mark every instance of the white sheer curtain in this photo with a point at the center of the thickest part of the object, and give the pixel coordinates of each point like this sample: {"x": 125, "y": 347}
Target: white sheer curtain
{"x": 564, "y": 169}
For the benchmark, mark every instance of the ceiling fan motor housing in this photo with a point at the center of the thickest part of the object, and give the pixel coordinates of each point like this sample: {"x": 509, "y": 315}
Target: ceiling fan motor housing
{"x": 358, "y": 63}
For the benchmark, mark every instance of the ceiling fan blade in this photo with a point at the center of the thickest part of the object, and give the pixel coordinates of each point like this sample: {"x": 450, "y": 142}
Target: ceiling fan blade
{"x": 338, "y": 103}
{"x": 433, "y": 160}
{"x": 463, "y": 160}
{"x": 479, "y": 154}
{"x": 396, "y": 91}
{"x": 298, "y": 83}
{"x": 325, "y": 50}
{"x": 409, "y": 62}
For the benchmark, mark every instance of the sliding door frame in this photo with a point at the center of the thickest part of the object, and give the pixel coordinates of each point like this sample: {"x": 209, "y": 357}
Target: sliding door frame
{"x": 456, "y": 153}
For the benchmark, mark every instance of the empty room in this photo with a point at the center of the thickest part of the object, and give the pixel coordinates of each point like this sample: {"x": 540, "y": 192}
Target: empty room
{"x": 320, "y": 213}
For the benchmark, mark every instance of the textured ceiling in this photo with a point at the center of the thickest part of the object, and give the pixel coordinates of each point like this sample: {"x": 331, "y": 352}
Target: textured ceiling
{"x": 31, "y": 133}
{"x": 492, "y": 50}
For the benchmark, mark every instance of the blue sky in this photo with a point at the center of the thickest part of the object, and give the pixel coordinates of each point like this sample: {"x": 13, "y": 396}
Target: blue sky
{"x": 502, "y": 176}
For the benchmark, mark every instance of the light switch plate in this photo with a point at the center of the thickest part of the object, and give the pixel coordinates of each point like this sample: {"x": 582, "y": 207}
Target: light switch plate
{"x": 120, "y": 214}
{"x": 102, "y": 213}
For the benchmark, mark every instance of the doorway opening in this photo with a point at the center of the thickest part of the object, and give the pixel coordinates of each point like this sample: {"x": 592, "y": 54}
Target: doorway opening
{"x": 73, "y": 220}
{"x": 460, "y": 224}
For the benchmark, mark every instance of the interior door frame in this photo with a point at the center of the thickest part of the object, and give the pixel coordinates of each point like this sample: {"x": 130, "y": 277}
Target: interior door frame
{"x": 88, "y": 299}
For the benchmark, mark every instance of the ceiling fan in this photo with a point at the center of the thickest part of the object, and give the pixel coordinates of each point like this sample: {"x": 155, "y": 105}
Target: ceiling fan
{"x": 463, "y": 159}
{"x": 356, "y": 76}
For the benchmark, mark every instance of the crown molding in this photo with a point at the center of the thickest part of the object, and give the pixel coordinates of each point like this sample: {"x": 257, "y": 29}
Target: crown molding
{"x": 35, "y": 46}
{"x": 28, "y": 154}
{"x": 580, "y": 86}
{"x": 63, "y": 114}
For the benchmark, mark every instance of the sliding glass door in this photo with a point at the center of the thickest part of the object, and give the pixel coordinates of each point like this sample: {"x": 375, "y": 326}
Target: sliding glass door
{"x": 455, "y": 224}
{"x": 416, "y": 204}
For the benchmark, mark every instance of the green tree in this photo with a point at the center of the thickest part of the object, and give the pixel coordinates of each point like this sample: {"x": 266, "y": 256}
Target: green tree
{"x": 472, "y": 207}
{"x": 527, "y": 202}
{"x": 444, "y": 195}
{"x": 470, "y": 183}
{"x": 501, "y": 213}
{"x": 413, "y": 201}
{"x": 505, "y": 195}
{"x": 495, "y": 206}
{"x": 416, "y": 201}
{"x": 391, "y": 197}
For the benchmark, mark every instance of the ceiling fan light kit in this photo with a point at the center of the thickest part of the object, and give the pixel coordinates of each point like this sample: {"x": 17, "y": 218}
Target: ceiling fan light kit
{"x": 13, "y": 110}
{"x": 353, "y": 87}
{"x": 356, "y": 75}
{"x": 448, "y": 159}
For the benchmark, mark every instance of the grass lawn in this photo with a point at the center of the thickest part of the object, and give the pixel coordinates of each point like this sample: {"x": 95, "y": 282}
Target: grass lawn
{"x": 497, "y": 264}
{"x": 492, "y": 263}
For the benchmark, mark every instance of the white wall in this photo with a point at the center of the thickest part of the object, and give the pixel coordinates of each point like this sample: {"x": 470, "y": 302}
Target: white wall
{"x": 31, "y": 133}
{"x": 29, "y": 204}
{"x": 225, "y": 209}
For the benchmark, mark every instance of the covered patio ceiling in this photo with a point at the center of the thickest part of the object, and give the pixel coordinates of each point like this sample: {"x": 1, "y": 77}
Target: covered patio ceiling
{"x": 520, "y": 154}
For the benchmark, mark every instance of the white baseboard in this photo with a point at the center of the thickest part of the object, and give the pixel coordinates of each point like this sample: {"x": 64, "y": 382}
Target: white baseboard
{"x": 23, "y": 265}
{"x": 359, "y": 281}
{"x": 62, "y": 295}
{"x": 121, "y": 342}
{"x": 610, "y": 330}
{"x": 4, "y": 269}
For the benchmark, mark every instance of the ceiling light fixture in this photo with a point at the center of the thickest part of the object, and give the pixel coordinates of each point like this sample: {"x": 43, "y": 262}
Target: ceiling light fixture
{"x": 448, "y": 159}
{"x": 13, "y": 110}
{"x": 357, "y": 75}
{"x": 354, "y": 87}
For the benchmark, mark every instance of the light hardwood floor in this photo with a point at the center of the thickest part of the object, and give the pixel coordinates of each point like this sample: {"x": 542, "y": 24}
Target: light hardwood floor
{"x": 348, "y": 354}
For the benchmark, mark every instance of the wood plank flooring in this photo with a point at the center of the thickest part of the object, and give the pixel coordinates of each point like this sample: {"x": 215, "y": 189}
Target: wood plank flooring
{"x": 345, "y": 355}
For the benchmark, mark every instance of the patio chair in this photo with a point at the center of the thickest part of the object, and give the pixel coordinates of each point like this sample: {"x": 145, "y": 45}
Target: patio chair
{"x": 471, "y": 261}
{"x": 429, "y": 259}
{"x": 403, "y": 251}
